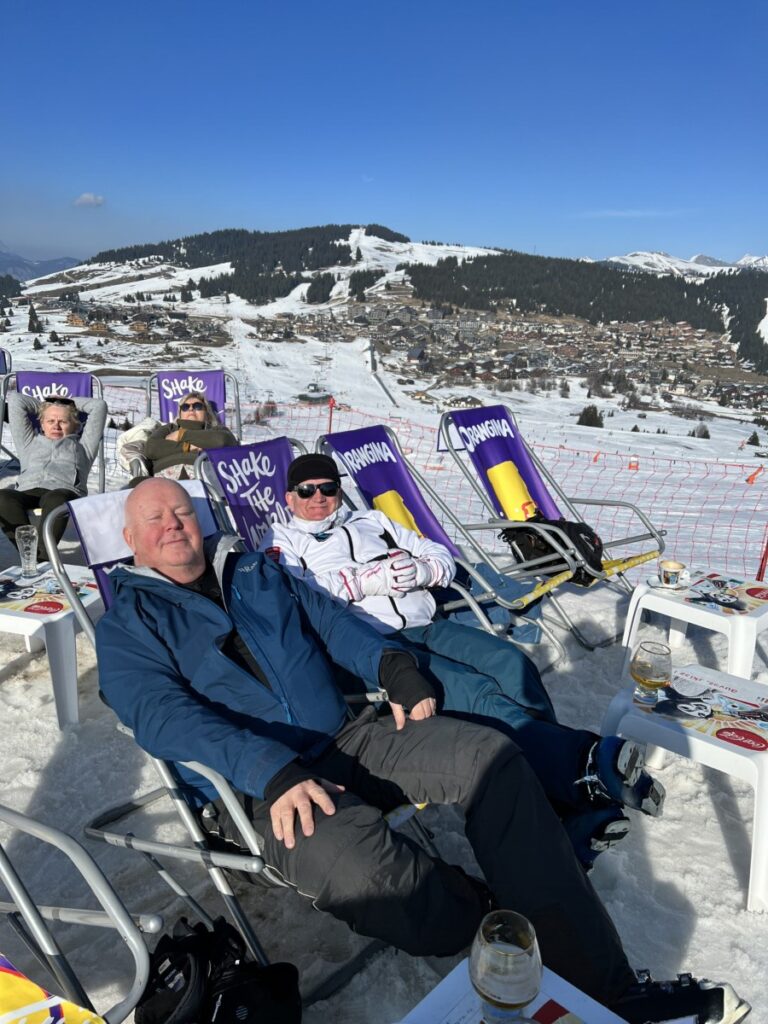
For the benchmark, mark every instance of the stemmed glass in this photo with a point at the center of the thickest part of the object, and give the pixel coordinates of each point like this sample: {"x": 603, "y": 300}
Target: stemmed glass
{"x": 505, "y": 966}
{"x": 651, "y": 669}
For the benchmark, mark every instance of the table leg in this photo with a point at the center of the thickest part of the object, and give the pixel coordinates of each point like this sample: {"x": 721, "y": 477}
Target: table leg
{"x": 655, "y": 757}
{"x": 677, "y": 631}
{"x": 62, "y": 659}
{"x": 757, "y": 897}
{"x": 742, "y": 638}
{"x": 34, "y": 642}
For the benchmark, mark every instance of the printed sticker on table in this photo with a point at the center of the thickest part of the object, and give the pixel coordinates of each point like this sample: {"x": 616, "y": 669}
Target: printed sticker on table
{"x": 45, "y": 607}
{"x": 742, "y": 738}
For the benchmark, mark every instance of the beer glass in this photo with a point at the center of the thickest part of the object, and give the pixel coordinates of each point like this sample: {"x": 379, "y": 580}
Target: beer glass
{"x": 505, "y": 966}
{"x": 651, "y": 669}
{"x": 26, "y": 542}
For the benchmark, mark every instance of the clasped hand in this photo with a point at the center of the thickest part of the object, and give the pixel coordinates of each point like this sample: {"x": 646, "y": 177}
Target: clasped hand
{"x": 396, "y": 575}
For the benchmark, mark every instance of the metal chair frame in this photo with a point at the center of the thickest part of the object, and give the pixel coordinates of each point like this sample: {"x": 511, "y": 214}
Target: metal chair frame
{"x": 28, "y": 919}
{"x": 5, "y": 355}
{"x": 214, "y": 862}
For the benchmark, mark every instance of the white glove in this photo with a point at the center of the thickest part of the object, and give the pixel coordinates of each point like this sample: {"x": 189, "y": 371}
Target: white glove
{"x": 428, "y": 572}
{"x": 393, "y": 576}
{"x": 370, "y": 581}
{"x": 402, "y": 572}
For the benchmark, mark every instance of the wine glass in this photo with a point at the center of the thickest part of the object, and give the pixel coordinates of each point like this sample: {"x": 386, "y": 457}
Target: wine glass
{"x": 505, "y": 966}
{"x": 651, "y": 669}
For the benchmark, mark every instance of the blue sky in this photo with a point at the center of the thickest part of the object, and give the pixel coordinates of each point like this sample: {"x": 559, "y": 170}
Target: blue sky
{"x": 552, "y": 126}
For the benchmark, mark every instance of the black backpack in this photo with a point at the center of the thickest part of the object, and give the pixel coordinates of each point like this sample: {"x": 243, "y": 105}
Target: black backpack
{"x": 198, "y": 976}
{"x": 533, "y": 545}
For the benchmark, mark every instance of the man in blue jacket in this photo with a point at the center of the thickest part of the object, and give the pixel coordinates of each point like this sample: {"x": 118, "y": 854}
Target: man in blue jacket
{"x": 223, "y": 658}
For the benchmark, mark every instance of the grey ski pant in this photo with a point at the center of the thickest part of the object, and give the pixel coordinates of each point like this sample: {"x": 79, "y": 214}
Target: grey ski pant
{"x": 386, "y": 886}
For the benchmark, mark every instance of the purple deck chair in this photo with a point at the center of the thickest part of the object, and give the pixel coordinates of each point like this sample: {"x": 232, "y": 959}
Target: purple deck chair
{"x": 44, "y": 384}
{"x": 384, "y": 480}
{"x": 247, "y": 485}
{"x": 171, "y": 385}
{"x": 99, "y": 520}
{"x": 513, "y": 485}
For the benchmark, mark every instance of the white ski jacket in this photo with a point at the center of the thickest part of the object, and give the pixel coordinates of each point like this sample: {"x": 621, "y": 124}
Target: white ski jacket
{"x": 321, "y": 554}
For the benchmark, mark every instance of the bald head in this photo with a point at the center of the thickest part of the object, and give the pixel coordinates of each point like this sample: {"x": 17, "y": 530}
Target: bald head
{"x": 162, "y": 530}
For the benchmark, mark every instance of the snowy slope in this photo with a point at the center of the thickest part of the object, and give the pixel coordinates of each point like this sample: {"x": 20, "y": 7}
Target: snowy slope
{"x": 107, "y": 282}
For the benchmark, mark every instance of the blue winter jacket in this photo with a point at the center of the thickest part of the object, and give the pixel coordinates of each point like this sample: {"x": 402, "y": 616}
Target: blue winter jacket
{"x": 162, "y": 671}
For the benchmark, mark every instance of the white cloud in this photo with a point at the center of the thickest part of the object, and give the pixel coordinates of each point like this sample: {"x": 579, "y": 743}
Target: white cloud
{"x": 89, "y": 199}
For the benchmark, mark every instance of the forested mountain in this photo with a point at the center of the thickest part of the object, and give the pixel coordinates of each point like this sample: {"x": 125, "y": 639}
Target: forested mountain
{"x": 600, "y": 292}
{"x": 263, "y": 252}
{"x": 9, "y": 286}
{"x": 266, "y": 264}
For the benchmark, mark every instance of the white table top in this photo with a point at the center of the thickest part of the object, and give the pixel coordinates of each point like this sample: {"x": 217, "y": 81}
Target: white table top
{"x": 716, "y": 592}
{"x": 42, "y": 598}
{"x": 454, "y": 1001}
{"x": 715, "y": 707}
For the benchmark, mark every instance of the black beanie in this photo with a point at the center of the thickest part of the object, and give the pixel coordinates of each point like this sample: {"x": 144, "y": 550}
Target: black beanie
{"x": 312, "y": 467}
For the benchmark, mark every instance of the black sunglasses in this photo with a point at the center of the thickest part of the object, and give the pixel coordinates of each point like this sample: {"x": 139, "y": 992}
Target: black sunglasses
{"x": 329, "y": 489}
{"x": 194, "y": 406}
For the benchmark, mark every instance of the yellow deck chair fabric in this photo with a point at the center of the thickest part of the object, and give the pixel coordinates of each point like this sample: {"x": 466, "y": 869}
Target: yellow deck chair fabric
{"x": 23, "y": 1001}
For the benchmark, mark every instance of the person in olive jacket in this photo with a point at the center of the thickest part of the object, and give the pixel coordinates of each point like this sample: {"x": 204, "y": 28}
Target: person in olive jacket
{"x": 174, "y": 446}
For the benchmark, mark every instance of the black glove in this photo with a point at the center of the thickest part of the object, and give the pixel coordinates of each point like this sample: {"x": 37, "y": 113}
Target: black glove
{"x": 399, "y": 675}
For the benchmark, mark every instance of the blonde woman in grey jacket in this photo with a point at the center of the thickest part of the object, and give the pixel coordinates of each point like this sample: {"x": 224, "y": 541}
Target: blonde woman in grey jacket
{"x": 55, "y": 460}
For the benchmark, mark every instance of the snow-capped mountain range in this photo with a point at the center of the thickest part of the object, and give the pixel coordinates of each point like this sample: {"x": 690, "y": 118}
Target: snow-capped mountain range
{"x": 697, "y": 266}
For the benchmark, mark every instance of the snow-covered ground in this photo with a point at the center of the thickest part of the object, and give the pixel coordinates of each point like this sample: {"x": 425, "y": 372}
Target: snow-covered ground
{"x": 676, "y": 887}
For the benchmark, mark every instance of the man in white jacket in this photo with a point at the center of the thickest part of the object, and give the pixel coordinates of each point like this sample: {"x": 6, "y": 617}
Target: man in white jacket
{"x": 385, "y": 574}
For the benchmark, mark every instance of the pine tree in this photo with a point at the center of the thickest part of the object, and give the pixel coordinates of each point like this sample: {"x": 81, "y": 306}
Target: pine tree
{"x": 34, "y": 324}
{"x": 590, "y": 416}
{"x": 753, "y": 439}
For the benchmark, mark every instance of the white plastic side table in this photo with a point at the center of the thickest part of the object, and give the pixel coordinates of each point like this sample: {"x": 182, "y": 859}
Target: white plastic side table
{"x": 733, "y": 738}
{"x": 703, "y": 603}
{"x": 454, "y": 1001}
{"x": 50, "y": 617}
